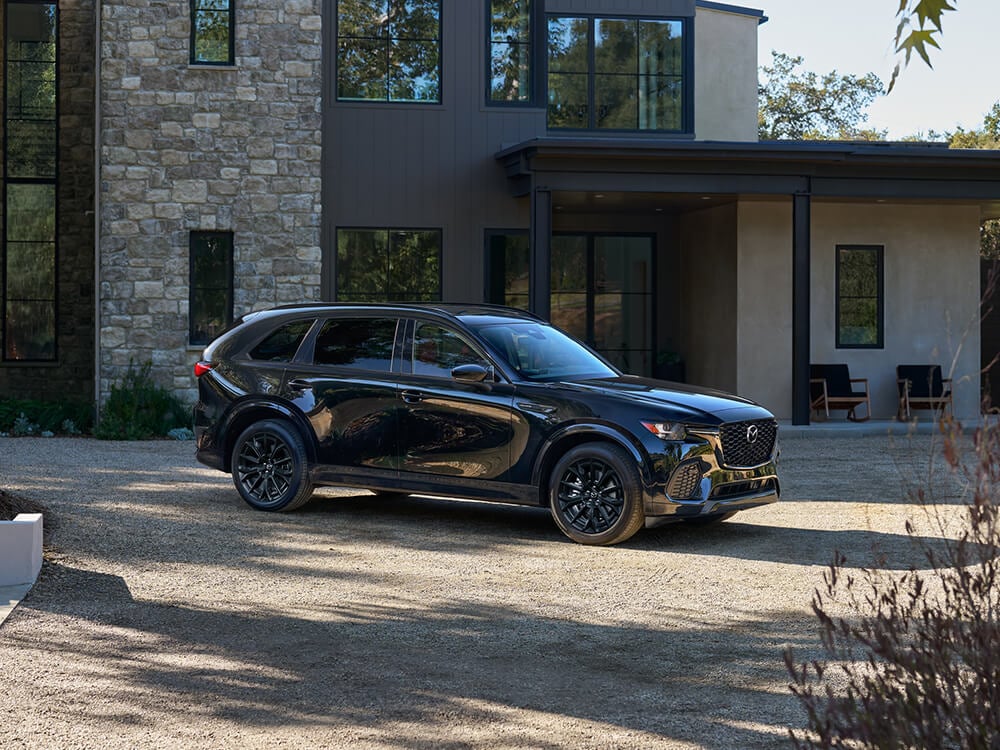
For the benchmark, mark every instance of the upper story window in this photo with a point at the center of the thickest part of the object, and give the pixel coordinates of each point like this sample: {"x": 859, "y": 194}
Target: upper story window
{"x": 212, "y": 37}
{"x": 616, "y": 74}
{"x": 511, "y": 36}
{"x": 860, "y": 297}
{"x": 389, "y": 50}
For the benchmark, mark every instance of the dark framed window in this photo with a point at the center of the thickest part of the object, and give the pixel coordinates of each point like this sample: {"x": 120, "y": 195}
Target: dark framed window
{"x": 389, "y": 50}
{"x": 362, "y": 343}
{"x": 211, "y": 286}
{"x": 283, "y": 344}
{"x": 618, "y": 74}
{"x": 388, "y": 265}
{"x": 438, "y": 350}
{"x": 860, "y": 297}
{"x": 213, "y": 26}
{"x": 512, "y": 74}
{"x": 28, "y": 300}
{"x": 508, "y": 260}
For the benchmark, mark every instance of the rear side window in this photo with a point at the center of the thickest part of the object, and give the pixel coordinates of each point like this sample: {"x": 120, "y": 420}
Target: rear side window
{"x": 281, "y": 345}
{"x": 363, "y": 343}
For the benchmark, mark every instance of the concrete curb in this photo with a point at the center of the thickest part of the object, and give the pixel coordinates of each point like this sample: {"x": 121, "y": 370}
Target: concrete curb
{"x": 10, "y": 597}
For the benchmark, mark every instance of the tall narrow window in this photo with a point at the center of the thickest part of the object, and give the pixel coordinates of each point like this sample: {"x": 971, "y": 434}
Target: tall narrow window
{"x": 860, "y": 299}
{"x": 212, "y": 26}
{"x": 378, "y": 265}
{"x": 616, "y": 74}
{"x": 29, "y": 172}
{"x": 389, "y": 50}
{"x": 510, "y": 58}
{"x": 211, "y": 289}
{"x": 508, "y": 257}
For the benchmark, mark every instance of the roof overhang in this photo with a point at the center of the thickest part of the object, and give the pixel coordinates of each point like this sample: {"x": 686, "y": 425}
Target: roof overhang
{"x": 822, "y": 169}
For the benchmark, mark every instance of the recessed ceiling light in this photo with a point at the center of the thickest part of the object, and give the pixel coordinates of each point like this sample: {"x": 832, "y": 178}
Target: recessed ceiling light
{"x": 598, "y": 195}
{"x": 706, "y": 197}
{"x": 658, "y": 210}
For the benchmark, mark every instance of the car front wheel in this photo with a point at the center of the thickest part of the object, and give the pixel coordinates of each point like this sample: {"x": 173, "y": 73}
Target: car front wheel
{"x": 270, "y": 467}
{"x": 595, "y": 494}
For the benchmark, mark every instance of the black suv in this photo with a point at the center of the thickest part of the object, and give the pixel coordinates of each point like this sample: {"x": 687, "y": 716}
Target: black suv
{"x": 471, "y": 401}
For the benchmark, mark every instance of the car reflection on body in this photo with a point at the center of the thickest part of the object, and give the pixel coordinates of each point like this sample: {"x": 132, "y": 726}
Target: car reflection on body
{"x": 471, "y": 401}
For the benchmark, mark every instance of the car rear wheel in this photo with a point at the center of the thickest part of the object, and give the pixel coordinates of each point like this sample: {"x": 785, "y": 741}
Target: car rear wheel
{"x": 595, "y": 494}
{"x": 270, "y": 467}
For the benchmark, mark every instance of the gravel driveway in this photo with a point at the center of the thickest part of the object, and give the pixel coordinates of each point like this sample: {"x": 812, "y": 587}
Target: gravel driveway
{"x": 169, "y": 613}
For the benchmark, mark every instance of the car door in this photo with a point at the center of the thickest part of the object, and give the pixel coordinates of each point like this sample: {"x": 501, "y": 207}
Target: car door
{"x": 346, "y": 387}
{"x": 457, "y": 431}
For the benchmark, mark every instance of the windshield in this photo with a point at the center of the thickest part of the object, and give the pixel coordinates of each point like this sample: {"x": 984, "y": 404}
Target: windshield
{"x": 540, "y": 352}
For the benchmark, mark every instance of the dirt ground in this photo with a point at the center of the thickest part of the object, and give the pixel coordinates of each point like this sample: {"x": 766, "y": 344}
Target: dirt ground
{"x": 168, "y": 613}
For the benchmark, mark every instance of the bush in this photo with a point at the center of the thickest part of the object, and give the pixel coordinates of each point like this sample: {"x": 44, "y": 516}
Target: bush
{"x": 916, "y": 661}
{"x": 138, "y": 409}
{"x": 22, "y": 417}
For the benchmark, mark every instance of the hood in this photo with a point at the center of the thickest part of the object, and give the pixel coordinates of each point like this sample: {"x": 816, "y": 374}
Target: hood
{"x": 693, "y": 403}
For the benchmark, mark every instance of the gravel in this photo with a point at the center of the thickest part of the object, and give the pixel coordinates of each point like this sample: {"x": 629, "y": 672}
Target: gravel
{"x": 170, "y": 613}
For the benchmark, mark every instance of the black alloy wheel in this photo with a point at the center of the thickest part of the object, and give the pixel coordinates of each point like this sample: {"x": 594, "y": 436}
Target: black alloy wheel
{"x": 270, "y": 467}
{"x": 595, "y": 494}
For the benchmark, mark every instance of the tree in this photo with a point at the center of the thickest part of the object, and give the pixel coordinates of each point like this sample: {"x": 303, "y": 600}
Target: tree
{"x": 796, "y": 104}
{"x": 919, "y": 24}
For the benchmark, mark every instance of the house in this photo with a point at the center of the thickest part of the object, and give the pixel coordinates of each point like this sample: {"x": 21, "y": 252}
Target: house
{"x": 168, "y": 166}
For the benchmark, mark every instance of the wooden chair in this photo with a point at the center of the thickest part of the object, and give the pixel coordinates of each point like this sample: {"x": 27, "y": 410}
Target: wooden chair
{"x": 832, "y": 387}
{"x": 922, "y": 387}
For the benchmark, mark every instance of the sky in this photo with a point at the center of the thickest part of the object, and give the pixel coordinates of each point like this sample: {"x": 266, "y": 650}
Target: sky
{"x": 855, "y": 36}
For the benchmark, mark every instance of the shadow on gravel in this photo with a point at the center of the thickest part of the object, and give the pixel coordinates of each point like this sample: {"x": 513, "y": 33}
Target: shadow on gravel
{"x": 375, "y": 667}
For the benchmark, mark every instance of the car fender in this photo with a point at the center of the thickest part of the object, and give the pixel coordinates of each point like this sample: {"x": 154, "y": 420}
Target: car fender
{"x": 556, "y": 444}
{"x": 251, "y": 409}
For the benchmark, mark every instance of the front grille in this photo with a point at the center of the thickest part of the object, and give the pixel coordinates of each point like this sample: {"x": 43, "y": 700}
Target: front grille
{"x": 684, "y": 481}
{"x": 747, "y": 444}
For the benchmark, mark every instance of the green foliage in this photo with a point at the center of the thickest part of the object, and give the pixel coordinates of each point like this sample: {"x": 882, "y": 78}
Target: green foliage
{"x": 918, "y": 36}
{"x": 797, "y": 104}
{"x": 67, "y": 418}
{"x": 910, "y": 660}
{"x": 138, "y": 408}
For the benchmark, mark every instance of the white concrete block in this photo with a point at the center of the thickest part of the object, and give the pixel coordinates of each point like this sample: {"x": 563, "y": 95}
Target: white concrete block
{"x": 20, "y": 549}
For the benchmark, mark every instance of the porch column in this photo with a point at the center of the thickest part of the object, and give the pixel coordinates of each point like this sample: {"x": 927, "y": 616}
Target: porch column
{"x": 541, "y": 252}
{"x": 801, "y": 222}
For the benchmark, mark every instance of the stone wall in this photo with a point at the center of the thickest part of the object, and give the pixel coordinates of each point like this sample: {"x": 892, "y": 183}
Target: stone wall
{"x": 188, "y": 148}
{"x": 71, "y": 376}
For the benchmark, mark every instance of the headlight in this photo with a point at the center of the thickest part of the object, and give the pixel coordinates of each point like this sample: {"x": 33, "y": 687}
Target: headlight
{"x": 667, "y": 430}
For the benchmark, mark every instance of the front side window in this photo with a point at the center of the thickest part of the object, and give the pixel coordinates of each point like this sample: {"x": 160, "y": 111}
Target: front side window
{"x": 389, "y": 50}
{"x": 361, "y": 343}
{"x": 388, "y": 265}
{"x": 511, "y": 49}
{"x": 30, "y": 156}
{"x": 860, "y": 297}
{"x": 437, "y": 351}
{"x": 616, "y": 74}
{"x": 212, "y": 27}
{"x": 210, "y": 307}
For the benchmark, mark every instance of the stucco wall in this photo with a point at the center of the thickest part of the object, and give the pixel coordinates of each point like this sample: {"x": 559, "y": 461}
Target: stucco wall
{"x": 709, "y": 273}
{"x": 725, "y": 98}
{"x": 931, "y": 297}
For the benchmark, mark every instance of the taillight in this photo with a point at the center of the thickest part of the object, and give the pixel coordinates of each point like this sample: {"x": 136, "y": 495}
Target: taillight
{"x": 201, "y": 368}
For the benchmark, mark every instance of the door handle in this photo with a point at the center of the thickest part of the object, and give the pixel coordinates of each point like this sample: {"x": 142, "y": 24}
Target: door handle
{"x": 412, "y": 397}
{"x": 299, "y": 385}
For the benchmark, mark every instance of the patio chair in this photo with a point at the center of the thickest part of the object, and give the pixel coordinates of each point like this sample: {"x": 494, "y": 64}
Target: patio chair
{"x": 832, "y": 387}
{"x": 922, "y": 387}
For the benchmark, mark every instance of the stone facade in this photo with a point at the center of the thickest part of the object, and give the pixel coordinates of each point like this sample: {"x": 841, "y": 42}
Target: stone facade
{"x": 71, "y": 376}
{"x": 187, "y": 148}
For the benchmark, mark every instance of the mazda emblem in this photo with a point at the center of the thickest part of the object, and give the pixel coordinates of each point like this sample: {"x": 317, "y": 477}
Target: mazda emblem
{"x": 752, "y": 434}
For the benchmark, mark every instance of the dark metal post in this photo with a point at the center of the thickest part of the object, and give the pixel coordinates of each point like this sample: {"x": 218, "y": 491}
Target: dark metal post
{"x": 541, "y": 252}
{"x": 801, "y": 312}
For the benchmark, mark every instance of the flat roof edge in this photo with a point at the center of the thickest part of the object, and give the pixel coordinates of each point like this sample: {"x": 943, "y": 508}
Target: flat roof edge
{"x": 737, "y": 9}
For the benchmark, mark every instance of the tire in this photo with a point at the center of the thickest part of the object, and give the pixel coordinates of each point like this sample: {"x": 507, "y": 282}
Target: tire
{"x": 270, "y": 467}
{"x": 713, "y": 520}
{"x": 595, "y": 494}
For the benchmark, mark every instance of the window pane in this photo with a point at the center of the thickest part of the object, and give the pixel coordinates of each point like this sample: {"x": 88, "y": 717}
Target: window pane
{"x": 623, "y": 264}
{"x": 568, "y": 101}
{"x": 31, "y": 271}
{"x": 510, "y": 72}
{"x": 414, "y": 19}
{"x": 858, "y": 322}
{"x": 615, "y": 102}
{"x": 31, "y": 213}
{"x": 29, "y": 330}
{"x": 362, "y": 264}
{"x": 661, "y": 50}
{"x": 362, "y": 70}
{"x": 568, "y": 298}
{"x": 413, "y": 72}
{"x": 660, "y": 103}
{"x": 211, "y": 302}
{"x": 616, "y": 46}
{"x": 859, "y": 293}
{"x": 361, "y": 343}
{"x": 31, "y": 90}
{"x": 362, "y": 18}
{"x": 858, "y": 273}
{"x": 414, "y": 265}
{"x": 282, "y": 345}
{"x": 568, "y": 45}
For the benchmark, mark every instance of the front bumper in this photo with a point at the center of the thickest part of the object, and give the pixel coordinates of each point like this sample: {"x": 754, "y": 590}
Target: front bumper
{"x": 699, "y": 484}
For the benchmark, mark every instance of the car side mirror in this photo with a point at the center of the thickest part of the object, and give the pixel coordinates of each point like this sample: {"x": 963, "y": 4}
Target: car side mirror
{"x": 471, "y": 373}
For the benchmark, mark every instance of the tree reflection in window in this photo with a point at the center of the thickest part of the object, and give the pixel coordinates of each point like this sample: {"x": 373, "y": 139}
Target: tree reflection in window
{"x": 860, "y": 304}
{"x": 212, "y": 23}
{"x": 389, "y": 50}
{"x": 29, "y": 169}
{"x": 211, "y": 287}
{"x": 511, "y": 66}
{"x": 388, "y": 265}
